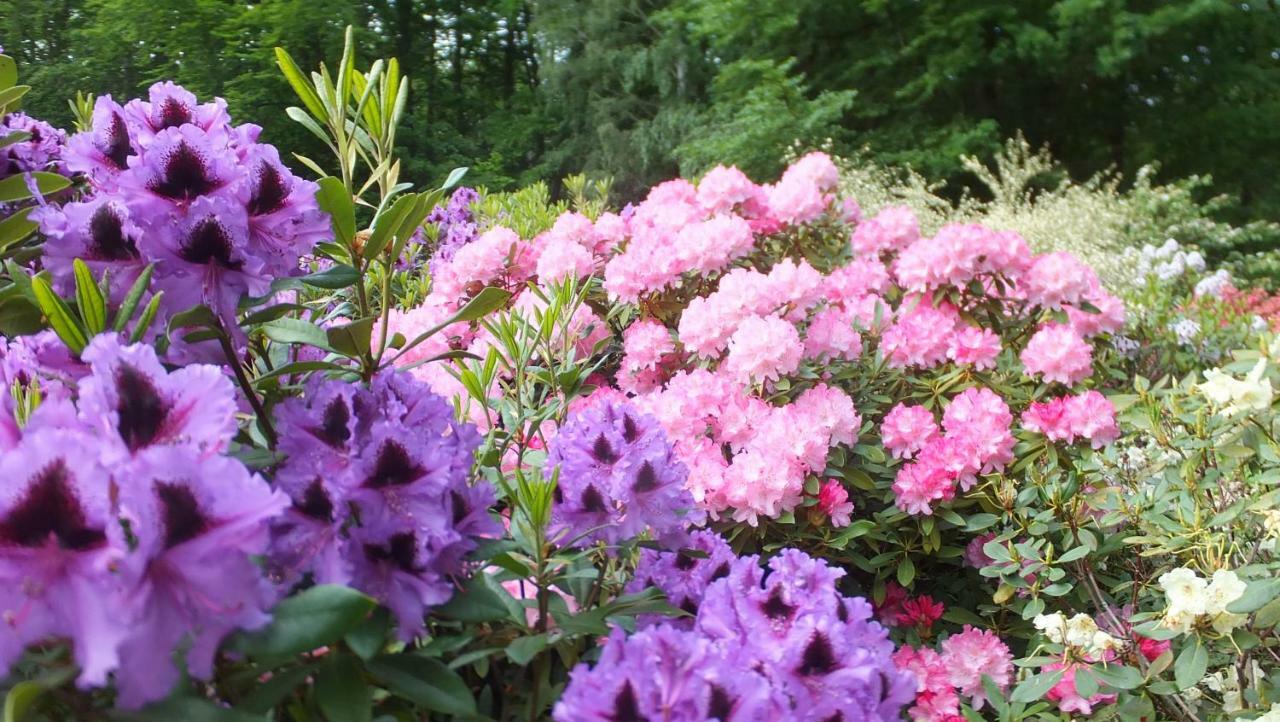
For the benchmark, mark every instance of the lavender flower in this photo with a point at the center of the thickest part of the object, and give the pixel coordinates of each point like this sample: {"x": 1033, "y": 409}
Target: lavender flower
{"x": 198, "y": 521}
{"x": 663, "y": 673}
{"x": 682, "y": 576}
{"x": 176, "y": 184}
{"x": 378, "y": 480}
{"x": 456, "y": 227}
{"x": 42, "y": 151}
{"x": 800, "y": 649}
{"x": 618, "y": 477}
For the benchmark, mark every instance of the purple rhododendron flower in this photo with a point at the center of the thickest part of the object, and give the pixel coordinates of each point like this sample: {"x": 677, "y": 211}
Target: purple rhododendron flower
{"x": 123, "y": 527}
{"x": 456, "y": 227}
{"x": 42, "y": 151}
{"x": 618, "y": 476}
{"x": 135, "y": 404}
{"x": 198, "y": 521}
{"x": 172, "y": 182}
{"x": 802, "y": 650}
{"x": 682, "y": 576}
{"x": 58, "y": 542}
{"x": 381, "y": 499}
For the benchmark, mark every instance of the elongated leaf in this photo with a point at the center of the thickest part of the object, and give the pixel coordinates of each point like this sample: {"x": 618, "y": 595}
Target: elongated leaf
{"x": 426, "y": 682}
{"x": 335, "y": 199}
{"x": 59, "y": 314}
{"x": 131, "y": 299}
{"x": 1036, "y": 686}
{"x": 387, "y": 224}
{"x": 16, "y": 227}
{"x": 339, "y": 276}
{"x": 89, "y": 298}
{"x": 300, "y": 116}
{"x": 9, "y": 97}
{"x": 1257, "y": 594}
{"x": 294, "y": 330}
{"x": 314, "y": 618}
{"x": 266, "y": 695}
{"x": 455, "y": 177}
{"x": 148, "y": 315}
{"x": 14, "y": 188}
{"x": 271, "y": 313}
{"x": 187, "y": 709}
{"x": 8, "y": 72}
{"x": 300, "y": 367}
{"x": 341, "y": 690}
{"x": 299, "y": 83}
{"x": 21, "y": 698}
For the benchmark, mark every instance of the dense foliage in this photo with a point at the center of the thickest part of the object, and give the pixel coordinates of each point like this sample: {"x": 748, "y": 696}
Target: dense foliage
{"x": 826, "y": 448}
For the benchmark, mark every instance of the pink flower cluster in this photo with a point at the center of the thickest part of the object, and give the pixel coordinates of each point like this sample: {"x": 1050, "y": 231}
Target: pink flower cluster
{"x": 1057, "y": 353}
{"x": 682, "y": 229}
{"x": 743, "y": 453}
{"x": 1087, "y": 416}
{"x": 976, "y": 439}
{"x": 943, "y": 678}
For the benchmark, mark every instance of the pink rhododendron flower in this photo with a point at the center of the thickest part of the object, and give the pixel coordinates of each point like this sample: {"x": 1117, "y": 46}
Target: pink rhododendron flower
{"x": 976, "y": 347}
{"x": 982, "y": 417}
{"x": 801, "y": 195}
{"x": 831, "y": 335}
{"x": 920, "y": 337}
{"x": 973, "y": 653}
{"x": 892, "y": 229}
{"x": 855, "y": 280}
{"x": 1089, "y": 415}
{"x": 723, "y": 189}
{"x": 1057, "y": 353}
{"x": 922, "y": 612}
{"x": 562, "y": 258}
{"x": 919, "y": 485}
{"x": 1065, "y": 694}
{"x": 907, "y": 429}
{"x": 1109, "y": 317}
{"x": 833, "y": 499}
{"x": 936, "y": 698}
{"x": 763, "y": 349}
{"x": 959, "y": 253}
{"x": 1058, "y": 279}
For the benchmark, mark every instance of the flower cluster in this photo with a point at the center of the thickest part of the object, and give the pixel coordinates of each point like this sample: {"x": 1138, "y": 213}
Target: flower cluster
{"x": 41, "y": 150}
{"x": 942, "y": 678}
{"x": 617, "y": 477}
{"x": 173, "y": 183}
{"x": 1192, "y": 599}
{"x": 378, "y": 480}
{"x": 1232, "y": 395}
{"x": 761, "y": 646}
{"x": 126, "y": 529}
{"x": 455, "y": 227}
{"x": 975, "y": 439}
{"x": 1088, "y": 416}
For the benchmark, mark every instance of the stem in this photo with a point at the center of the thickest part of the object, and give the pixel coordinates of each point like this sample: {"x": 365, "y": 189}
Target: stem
{"x": 264, "y": 421}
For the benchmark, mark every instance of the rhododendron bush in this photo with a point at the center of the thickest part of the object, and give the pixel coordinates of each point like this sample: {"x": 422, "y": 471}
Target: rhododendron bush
{"x": 349, "y": 449}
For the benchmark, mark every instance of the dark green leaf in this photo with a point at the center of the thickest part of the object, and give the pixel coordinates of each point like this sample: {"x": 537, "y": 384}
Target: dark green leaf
{"x": 338, "y": 276}
{"x": 131, "y": 299}
{"x": 479, "y": 601}
{"x": 1117, "y": 676}
{"x": 266, "y": 695}
{"x": 341, "y": 690}
{"x": 1036, "y": 686}
{"x": 89, "y": 299}
{"x": 314, "y": 618}
{"x": 524, "y": 649}
{"x": 187, "y": 709}
{"x": 295, "y": 330}
{"x": 425, "y": 682}
{"x": 352, "y": 339}
{"x": 16, "y": 227}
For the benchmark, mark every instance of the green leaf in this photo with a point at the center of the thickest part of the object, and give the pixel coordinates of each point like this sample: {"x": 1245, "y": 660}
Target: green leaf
{"x": 1036, "y": 686}
{"x": 314, "y": 618}
{"x": 295, "y": 330}
{"x": 89, "y": 299}
{"x": 488, "y": 300}
{"x": 21, "y": 698}
{"x": 425, "y": 682}
{"x": 387, "y": 224}
{"x": 195, "y": 317}
{"x": 906, "y": 571}
{"x": 14, "y": 188}
{"x": 455, "y": 177}
{"x": 300, "y": 367}
{"x": 1191, "y": 664}
{"x": 10, "y": 96}
{"x": 187, "y": 709}
{"x": 335, "y": 199}
{"x": 8, "y": 72}
{"x": 1257, "y": 594}
{"x": 125, "y": 313}
{"x": 341, "y": 690}
{"x": 1073, "y": 554}
{"x": 266, "y": 695}
{"x": 524, "y": 649}
{"x": 352, "y": 339}
{"x": 370, "y": 637}
{"x": 16, "y": 227}
{"x": 148, "y": 315}
{"x": 339, "y": 276}
{"x": 979, "y": 522}
{"x": 479, "y": 601}
{"x": 1118, "y": 676}
{"x": 59, "y": 315}
{"x": 299, "y": 83}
